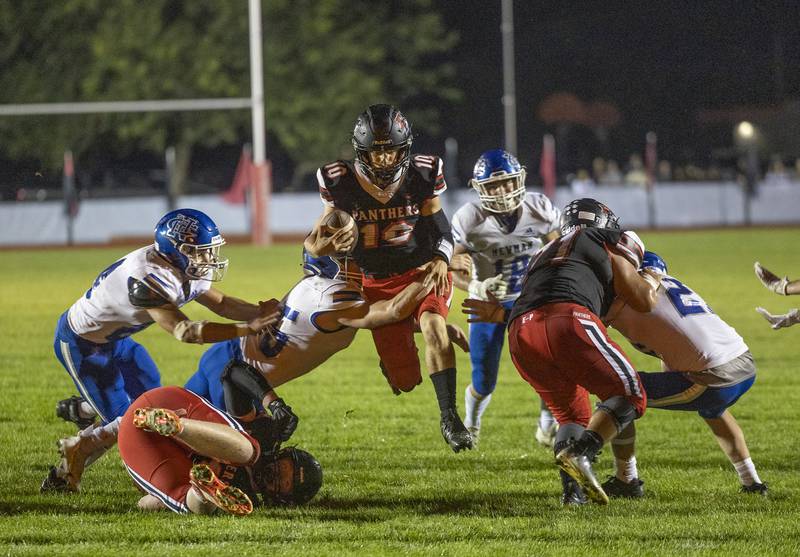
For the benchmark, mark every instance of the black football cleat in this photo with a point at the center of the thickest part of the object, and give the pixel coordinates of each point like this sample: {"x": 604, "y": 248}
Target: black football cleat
{"x": 757, "y": 488}
{"x": 614, "y": 487}
{"x": 579, "y": 467}
{"x": 454, "y": 432}
{"x": 54, "y": 483}
{"x": 572, "y": 494}
{"x": 68, "y": 410}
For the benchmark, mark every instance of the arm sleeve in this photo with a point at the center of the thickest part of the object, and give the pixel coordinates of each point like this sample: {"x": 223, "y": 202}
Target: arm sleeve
{"x": 441, "y": 235}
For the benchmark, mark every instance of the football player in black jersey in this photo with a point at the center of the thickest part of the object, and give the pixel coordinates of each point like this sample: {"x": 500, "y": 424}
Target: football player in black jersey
{"x": 403, "y": 235}
{"x": 559, "y": 345}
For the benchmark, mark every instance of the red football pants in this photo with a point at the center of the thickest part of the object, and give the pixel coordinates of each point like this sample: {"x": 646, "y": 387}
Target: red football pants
{"x": 395, "y": 342}
{"x": 160, "y": 465}
{"x": 564, "y": 352}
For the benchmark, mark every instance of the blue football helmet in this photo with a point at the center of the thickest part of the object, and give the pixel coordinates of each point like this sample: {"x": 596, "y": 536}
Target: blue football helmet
{"x": 341, "y": 268}
{"x": 652, "y": 261}
{"x": 190, "y": 241}
{"x": 499, "y": 180}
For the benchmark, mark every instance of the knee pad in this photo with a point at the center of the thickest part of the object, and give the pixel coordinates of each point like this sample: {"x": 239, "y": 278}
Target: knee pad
{"x": 620, "y": 409}
{"x": 406, "y": 379}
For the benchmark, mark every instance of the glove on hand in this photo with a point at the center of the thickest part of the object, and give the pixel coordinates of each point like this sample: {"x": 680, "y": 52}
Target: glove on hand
{"x": 780, "y": 321}
{"x": 284, "y": 419}
{"x": 480, "y": 289}
{"x": 770, "y": 280}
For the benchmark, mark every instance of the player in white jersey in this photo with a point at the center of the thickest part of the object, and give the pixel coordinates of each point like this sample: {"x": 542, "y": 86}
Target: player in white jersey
{"x": 500, "y": 233}
{"x": 149, "y": 285}
{"x": 321, "y": 315}
{"x": 707, "y": 367}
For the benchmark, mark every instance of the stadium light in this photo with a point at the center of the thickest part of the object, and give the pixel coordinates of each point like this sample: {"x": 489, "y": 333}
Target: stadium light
{"x": 745, "y": 130}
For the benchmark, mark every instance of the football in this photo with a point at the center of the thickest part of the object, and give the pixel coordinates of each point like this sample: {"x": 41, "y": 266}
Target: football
{"x": 332, "y": 222}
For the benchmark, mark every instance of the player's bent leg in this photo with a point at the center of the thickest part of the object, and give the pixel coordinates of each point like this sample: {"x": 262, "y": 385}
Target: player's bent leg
{"x": 229, "y": 498}
{"x": 731, "y": 440}
{"x": 440, "y": 358}
{"x": 625, "y": 482}
{"x": 397, "y": 350}
{"x": 486, "y": 344}
{"x": 138, "y": 369}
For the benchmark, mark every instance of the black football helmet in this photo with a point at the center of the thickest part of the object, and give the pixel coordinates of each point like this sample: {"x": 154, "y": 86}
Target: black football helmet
{"x": 382, "y": 141}
{"x": 290, "y": 476}
{"x": 587, "y": 213}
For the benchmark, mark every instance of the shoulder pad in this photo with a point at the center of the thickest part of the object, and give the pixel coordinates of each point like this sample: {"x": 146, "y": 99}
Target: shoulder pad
{"x": 631, "y": 247}
{"x": 144, "y": 295}
{"x": 328, "y": 175}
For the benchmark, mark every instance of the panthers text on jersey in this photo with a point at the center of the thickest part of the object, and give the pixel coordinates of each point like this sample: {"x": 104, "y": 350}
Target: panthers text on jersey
{"x": 576, "y": 268}
{"x": 496, "y": 251}
{"x": 392, "y": 238}
{"x": 300, "y": 343}
{"x": 682, "y": 331}
{"x": 108, "y": 312}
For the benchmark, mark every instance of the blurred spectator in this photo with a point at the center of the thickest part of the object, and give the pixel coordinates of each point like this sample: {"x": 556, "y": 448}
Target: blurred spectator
{"x": 636, "y": 175}
{"x": 582, "y": 184}
{"x": 612, "y": 176}
{"x": 664, "y": 171}
{"x": 776, "y": 172}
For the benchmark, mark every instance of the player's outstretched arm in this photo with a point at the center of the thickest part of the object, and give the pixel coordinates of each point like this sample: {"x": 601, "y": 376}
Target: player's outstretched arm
{"x": 773, "y": 282}
{"x": 385, "y": 312}
{"x": 175, "y": 322}
{"x": 234, "y": 308}
{"x": 484, "y": 311}
{"x": 782, "y": 320}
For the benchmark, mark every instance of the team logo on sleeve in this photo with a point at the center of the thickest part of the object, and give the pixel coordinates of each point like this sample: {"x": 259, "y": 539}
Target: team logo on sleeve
{"x": 183, "y": 229}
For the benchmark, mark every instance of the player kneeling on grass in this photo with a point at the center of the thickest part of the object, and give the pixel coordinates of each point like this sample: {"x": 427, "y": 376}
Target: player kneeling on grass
{"x": 149, "y": 285}
{"x": 188, "y": 456}
{"x": 321, "y": 315}
{"x": 707, "y": 368}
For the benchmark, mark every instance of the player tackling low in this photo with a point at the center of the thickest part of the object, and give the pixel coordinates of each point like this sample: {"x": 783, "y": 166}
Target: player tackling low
{"x": 149, "y": 285}
{"x": 707, "y": 368}
{"x": 784, "y": 287}
{"x": 500, "y": 234}
{"x": 321, "y": 316}
{"x": 403, "y": 233}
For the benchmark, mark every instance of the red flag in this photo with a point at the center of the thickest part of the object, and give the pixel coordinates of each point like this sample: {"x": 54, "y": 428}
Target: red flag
{"x": 237, "y": 193}
{"x": 547, "y": 166}
{"x": 650, "y": 158}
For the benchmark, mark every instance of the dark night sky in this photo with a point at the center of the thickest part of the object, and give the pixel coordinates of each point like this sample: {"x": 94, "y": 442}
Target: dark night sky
{"x": 658, "y": 65}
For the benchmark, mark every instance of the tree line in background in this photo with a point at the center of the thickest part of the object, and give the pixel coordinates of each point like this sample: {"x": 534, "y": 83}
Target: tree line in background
{"x": 324, "y": 62}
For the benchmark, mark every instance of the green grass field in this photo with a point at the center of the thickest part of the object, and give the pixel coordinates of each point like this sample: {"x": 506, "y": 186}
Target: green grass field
{"x": 391, "y": 484}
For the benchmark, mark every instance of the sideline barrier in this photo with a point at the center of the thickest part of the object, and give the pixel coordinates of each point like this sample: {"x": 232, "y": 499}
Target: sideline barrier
{"x": 677, "y": 205}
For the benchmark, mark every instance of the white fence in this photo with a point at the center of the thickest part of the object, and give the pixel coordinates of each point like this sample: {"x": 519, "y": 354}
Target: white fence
{"x": 103, "y": 220}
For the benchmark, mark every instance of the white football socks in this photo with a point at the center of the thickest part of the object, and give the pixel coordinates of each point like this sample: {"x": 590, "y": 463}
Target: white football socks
{"x": 747, "y": 472}
{"x": 625, "y": 470}
{"x": 546, "y": 419}
{"x": 474, "y": 407}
